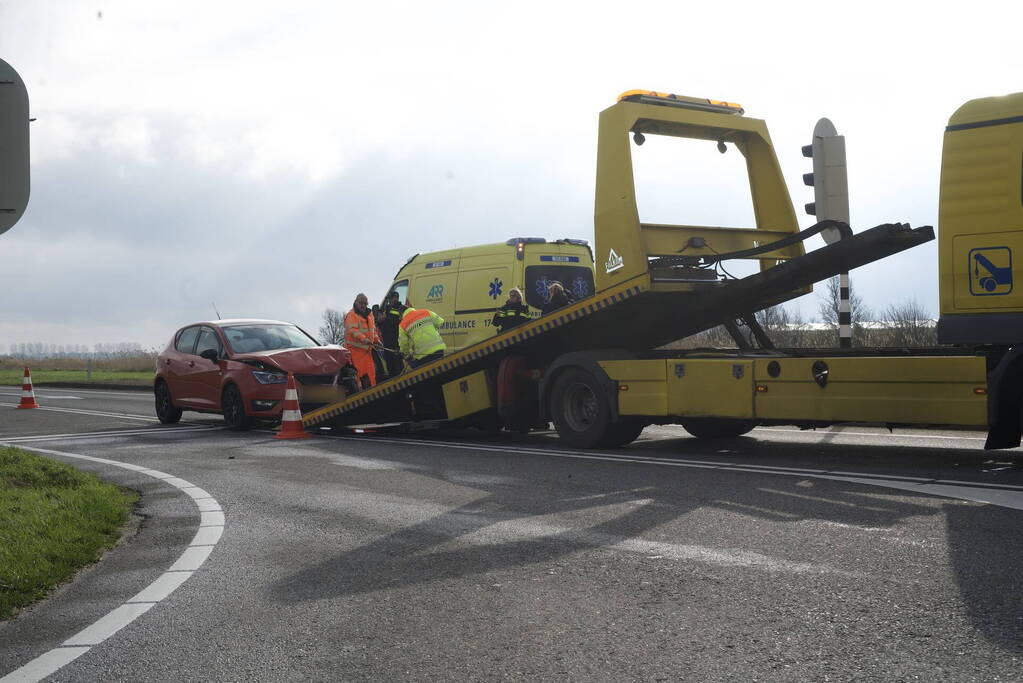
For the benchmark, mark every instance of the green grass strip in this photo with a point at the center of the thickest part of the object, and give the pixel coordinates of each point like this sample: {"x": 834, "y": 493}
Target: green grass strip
{"x": 54, "y": 520}
{"x": 13, "y": 377}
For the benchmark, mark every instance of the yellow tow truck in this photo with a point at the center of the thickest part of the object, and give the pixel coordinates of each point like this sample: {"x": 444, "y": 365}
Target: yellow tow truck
{"x": 594, "y": 368}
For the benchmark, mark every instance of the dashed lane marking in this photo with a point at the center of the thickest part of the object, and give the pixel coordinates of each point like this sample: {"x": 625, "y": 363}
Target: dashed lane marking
{"x": 211, "y": 527}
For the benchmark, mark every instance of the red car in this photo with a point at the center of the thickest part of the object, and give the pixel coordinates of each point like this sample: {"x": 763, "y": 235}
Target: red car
{"x": 239, "y": 368}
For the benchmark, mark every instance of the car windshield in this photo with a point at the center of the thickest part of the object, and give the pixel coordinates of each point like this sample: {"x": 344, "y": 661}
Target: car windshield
{"x": 256, "y": 338}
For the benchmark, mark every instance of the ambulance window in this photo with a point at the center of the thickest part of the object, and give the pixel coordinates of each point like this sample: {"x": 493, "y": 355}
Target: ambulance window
{"x": 402, "y": 289}
{"x": 577, "y": 280}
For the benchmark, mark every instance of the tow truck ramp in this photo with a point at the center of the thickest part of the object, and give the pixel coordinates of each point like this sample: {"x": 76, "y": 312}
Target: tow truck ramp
{"x": 636, "y": 315}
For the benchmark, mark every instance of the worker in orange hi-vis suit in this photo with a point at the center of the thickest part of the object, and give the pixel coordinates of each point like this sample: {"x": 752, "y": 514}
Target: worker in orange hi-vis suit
{"x": 361, "y": 337}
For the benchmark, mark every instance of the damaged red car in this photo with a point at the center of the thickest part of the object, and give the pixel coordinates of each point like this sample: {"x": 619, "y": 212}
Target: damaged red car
{"x": 239, "y": 369}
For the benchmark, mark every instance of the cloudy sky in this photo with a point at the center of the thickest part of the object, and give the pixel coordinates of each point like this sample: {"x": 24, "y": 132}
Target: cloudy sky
{"x": 278, "y": 158}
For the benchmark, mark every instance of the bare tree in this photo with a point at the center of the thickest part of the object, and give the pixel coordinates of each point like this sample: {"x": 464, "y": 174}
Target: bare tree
{"x": 829, "y": 300}
{"x": 907, "y": 324}
{"x": 828, "y": 307}
{"x": 332, "y": 331}
{"x": 785, "y": 328}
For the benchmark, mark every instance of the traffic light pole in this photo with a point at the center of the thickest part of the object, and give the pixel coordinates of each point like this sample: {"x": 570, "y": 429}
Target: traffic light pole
{"x": 844, "y": 312}
{"x": 831, "y": 202}
{"x": 14, "y": 155}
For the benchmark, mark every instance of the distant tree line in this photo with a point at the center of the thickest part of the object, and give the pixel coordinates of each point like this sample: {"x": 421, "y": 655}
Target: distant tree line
{"x": 101, "y": 351}
{"x": 905, "y": 324}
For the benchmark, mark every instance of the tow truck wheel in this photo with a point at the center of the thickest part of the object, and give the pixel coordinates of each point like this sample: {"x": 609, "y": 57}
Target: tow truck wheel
{"x": 580, "y": 410}
{"x": 718, "y": 428}
{"x": 166, "y": 411}
{"x": 233, "y": 406}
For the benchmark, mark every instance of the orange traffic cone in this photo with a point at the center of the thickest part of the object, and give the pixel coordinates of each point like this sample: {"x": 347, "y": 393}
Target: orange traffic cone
{"x": 28, "y": 396}
{"x": 291, "y": 417}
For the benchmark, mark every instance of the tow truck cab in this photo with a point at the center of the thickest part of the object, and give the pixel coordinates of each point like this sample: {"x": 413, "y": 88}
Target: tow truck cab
{"x": 465, "y": 286}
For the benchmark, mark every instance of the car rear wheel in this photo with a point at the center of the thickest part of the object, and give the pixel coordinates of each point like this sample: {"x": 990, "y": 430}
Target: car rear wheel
{"x": 233, "y": 407}
{"x": 166, "y": 411}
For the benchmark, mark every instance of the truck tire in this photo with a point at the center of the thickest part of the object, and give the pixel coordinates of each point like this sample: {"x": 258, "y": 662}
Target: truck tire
{"x": 717, "y": 427}
{"x": 624, "y": 432}
{"x": 581, "y": 411}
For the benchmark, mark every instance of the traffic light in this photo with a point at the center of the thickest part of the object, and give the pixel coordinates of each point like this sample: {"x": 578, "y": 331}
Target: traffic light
{"x": 829, "y": 180}
{"x": 14, "y": 180}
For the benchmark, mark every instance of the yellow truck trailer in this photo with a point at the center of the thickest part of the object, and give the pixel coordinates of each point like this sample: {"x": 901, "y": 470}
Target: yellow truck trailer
{"x": 593, "y": 368}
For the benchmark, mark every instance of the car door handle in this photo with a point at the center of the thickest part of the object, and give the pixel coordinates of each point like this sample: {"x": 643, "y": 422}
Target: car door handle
{"x": 166, "y": 361}
{"x": 191, "y": 363}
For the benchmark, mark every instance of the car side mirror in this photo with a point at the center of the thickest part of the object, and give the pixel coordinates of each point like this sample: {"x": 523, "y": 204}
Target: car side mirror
{"x": 211, "y": 355}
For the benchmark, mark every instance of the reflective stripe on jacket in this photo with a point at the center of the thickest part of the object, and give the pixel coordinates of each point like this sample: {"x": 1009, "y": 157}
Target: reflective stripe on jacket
{"x": 418, "y": 333}
{"x": 389, "y": 325}
{"x": 360, "y": 332}
{"x": 510, "y": 315}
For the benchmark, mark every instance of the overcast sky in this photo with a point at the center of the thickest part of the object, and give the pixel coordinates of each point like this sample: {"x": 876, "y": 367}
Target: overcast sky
{"x": 278, "y": 158}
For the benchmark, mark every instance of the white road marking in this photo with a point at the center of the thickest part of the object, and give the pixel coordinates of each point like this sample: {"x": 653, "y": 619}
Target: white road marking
{"x": 211, "y": 519}
{"x": 211, "y": 527}
{"x": 888, "y": 435}
{"x": 191, "y": 559}
{"x": 168, "y": 582}
{"x": 55, "y": 397}
{"x": 525, "y": 529}
{"x": 80, "y": 411}
{"x": 146, "y": 393}
{"x": 109, "y": 625}
{"x": 1002, "y": 495}
{"x": 111, "y": 433}
{"x": 44, "y": 665}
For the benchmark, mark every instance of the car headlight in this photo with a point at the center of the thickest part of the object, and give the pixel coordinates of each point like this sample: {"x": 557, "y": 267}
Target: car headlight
{"x": 269, "y": 377}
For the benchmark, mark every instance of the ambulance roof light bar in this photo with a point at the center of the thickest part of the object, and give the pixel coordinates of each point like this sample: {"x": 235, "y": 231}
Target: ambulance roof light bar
{"x": 671, "y": 100}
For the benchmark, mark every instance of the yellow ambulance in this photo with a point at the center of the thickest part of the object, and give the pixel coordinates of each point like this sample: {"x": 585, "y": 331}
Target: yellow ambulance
{"x": 466, "y": 286}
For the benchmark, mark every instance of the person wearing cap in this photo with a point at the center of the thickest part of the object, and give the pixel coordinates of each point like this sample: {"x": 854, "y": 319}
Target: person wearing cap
{"x": 512, "y": 313}
{"x": 392, "y": 311}
{"x": 361, "y": 338}
{"x": 556, "y": 298}
{"x": 419, "y": 337}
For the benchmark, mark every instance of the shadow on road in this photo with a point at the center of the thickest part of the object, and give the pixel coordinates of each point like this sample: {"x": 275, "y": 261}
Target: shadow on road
{"x": 475, "y": 539}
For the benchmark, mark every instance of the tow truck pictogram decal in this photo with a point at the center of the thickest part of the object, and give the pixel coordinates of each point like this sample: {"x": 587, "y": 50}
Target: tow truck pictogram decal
{"x": 990, "y": 271}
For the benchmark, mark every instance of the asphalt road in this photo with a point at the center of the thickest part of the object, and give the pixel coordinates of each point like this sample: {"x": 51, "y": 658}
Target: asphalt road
{"x": 837, "y": 555}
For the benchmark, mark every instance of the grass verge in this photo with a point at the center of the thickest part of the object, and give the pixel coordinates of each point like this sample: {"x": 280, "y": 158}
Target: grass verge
{"x": 54, "y": 520}
{"x": 13, "y": 377}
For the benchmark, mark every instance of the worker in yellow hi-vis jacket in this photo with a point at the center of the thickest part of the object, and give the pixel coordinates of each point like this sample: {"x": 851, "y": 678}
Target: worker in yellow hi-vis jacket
{"x": 419, "y": 337}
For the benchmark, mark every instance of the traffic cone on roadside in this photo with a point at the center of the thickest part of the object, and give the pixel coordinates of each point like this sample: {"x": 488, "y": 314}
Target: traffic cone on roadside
{"x": 28, "y": 396}
{"x": 291, "y": 416}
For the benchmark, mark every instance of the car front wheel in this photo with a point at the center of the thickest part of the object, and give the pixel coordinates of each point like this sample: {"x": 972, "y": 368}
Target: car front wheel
{"x": 233, "y": 406}
{"x": 166, "y": 411}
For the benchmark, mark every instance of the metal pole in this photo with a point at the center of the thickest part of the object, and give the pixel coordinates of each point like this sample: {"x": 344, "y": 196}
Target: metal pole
{"x": 844, "y": 312}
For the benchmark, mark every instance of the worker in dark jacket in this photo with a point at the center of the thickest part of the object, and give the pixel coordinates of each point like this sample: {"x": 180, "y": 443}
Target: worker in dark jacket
{"x": 392, "y": 311}
{"x": 513, "y": 313}
{"x": 556, "y": 298}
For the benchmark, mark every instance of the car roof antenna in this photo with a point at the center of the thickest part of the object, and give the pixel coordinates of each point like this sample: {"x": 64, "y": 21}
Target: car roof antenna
{"x": 215, "y": 310}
